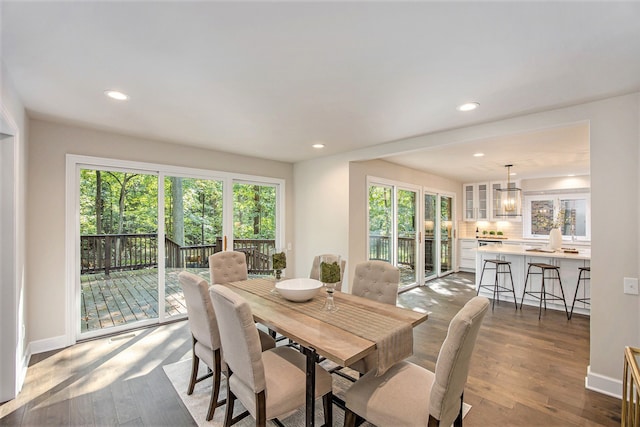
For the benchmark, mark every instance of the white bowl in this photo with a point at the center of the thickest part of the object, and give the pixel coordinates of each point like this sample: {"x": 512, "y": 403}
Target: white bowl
{"x": 298, "y": 290}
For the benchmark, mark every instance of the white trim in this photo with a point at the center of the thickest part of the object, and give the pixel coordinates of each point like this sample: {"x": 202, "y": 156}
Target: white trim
{"x": 48, "y": 344}
{"x": 603, "y": 384}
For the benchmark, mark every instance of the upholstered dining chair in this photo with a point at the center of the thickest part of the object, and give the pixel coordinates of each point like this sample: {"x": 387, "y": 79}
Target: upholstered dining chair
{"x": 315, "y": 268}
{"x": 378, "y": 281}
{"x": 409, "y": 395}
{"x": 227, "y": 266}
{"x": 269, "y": 384}
{"x": 205, "y": 336}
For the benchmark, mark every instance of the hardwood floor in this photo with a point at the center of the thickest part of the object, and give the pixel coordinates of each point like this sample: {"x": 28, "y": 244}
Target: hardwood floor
{"x": 524, "y": 372}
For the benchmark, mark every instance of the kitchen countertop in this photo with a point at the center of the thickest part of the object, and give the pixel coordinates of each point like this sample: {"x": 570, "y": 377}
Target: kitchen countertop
{"x": 526, "y": 250}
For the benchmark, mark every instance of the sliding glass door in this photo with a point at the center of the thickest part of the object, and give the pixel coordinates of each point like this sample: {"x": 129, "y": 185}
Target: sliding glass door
{"x": 393, "y": 212}
{"x": 140, "y": 226}
{"x": 430, "y": 236}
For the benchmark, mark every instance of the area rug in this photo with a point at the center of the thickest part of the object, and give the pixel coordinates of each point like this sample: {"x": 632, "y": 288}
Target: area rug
{"x": 198, "y": 403}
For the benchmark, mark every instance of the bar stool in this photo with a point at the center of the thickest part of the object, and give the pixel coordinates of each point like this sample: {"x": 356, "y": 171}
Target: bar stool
{"x": 496, "y": 288}
{"x": 581, "y": 278}
{"x": 543, "y": 295}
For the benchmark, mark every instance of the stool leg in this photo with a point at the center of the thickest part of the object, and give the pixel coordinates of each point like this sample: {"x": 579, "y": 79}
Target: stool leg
{"x": 576, "y": 294}
{"x": 564, "y": 300}
{"x": 496, "y": 294}
{"x": 481, "y": 276}
{"x": 543, "y": 293}
{"x": 524, "y": 292}
{"x": 513, "y": 289}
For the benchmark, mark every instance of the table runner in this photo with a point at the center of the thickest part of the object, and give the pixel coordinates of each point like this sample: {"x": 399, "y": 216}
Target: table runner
{"x": 393, "y": 338}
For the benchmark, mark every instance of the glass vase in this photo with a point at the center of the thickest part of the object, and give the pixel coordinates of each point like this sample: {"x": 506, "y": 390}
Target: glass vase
{"x": 277, "y": 263}
{"x": 330, "y": 274}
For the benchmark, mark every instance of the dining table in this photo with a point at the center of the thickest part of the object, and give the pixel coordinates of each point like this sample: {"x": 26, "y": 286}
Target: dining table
{"x": 359, "y": 327}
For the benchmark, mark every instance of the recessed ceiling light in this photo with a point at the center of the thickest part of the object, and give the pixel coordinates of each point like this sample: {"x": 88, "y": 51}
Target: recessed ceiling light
{"x": 114, "y": 94}
{"x": 318, "y": 145}
{"x": 478, "y": 154}
{"x": 468, "y": 106}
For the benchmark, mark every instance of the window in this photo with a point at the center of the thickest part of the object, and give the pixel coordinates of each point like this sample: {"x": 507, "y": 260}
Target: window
{"x": 570, "y": 212}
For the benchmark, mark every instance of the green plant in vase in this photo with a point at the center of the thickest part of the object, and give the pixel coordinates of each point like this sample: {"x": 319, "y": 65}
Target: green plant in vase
{"x": 330, "y": 275}
{"x": 279, "y": 261}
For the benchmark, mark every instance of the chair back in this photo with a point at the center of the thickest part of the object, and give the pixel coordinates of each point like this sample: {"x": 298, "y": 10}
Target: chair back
{"x": 202, "y": 319}
{"x": 241, "y": 347}
{"x": 227, "y": 266}
{"x": 315, "y": 268}
{"x": 376, "y": 280}
{"x": 452, "y": 366}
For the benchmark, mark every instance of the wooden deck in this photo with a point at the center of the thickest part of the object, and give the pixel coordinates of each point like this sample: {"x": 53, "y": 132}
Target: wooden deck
{"x": 129, "y": 296}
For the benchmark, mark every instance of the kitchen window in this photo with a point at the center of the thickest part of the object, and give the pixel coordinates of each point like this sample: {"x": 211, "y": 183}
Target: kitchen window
{"x": 571, "y": 212}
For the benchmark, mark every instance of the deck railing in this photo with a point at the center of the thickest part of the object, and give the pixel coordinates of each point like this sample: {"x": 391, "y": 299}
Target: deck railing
{"x": 103, "y": 253}
{"x": 380, "y": 249}
{"x": 631, "y": 388}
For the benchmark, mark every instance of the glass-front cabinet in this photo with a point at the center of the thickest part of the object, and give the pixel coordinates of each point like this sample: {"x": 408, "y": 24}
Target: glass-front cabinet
{"x": 476, "y": 201}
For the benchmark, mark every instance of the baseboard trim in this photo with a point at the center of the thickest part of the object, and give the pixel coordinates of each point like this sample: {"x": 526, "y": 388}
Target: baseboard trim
{"x": 48, "y": 344}
{"x": 602, "y": 384}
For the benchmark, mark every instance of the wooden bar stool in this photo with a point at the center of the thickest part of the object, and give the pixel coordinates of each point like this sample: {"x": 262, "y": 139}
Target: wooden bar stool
{"x": 581, "y": 278}
{"x": 543, "y": 295}
{"x": 496, "y": 288}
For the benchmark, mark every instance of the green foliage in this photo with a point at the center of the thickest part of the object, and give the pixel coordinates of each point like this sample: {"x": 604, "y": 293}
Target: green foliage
{"x": 380, "y": 212}
{"x": 199, "y": 212}
{"x": 329, "y": 272}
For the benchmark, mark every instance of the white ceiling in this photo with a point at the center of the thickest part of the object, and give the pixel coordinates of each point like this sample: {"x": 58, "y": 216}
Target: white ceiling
{"x": 268, "y": 79}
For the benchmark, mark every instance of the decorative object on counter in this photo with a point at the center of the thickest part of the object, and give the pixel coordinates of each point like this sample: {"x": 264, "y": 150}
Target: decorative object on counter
{"x": 492, "y": 233}
{"x": 555, "y": 238}
{"x": 330, "y": 275}
{"x": 477, "y": 232}
{"x": 500, "y": 233}
{"x": 510, "y": 198}
{"x": 485, "y": 232}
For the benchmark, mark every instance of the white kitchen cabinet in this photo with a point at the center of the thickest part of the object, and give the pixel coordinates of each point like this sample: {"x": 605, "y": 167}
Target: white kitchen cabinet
{"x": 468, "y": 254}
{"x": 476, "y": 199}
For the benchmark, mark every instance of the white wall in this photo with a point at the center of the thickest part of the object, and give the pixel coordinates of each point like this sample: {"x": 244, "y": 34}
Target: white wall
{"x": 615, "y": 158}
{"x": 13, "y": 350}
{"x": 49, "y": 144}
{"x": 321, "y": 199}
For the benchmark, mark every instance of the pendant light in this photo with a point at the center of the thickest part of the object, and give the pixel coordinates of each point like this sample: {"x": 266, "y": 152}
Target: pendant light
{"x": 508, "y": 199}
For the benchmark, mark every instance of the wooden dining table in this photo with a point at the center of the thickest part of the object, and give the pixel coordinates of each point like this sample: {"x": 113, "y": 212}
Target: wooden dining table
{"x": 356, "y": 330}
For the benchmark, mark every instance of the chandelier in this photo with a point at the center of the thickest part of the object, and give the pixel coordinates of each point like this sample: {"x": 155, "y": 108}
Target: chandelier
{"x": 508, "y": 199}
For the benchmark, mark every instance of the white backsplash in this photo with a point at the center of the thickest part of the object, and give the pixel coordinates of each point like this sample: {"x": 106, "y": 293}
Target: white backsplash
{"x": 511, "y": 230}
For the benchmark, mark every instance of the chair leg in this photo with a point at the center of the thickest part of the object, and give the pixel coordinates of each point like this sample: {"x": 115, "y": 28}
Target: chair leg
{"x": 349, "y": 418}
{"x": 215, "y": 391}
{"x": 327, "y": 403}
{"x": 458, "y": 421}
{"x": 564, "y": 300}
{"x": 543, "y": 297}
{"x": 261, "y": 409}
{"x": 195, "y": 363}
{"x": 481, "y": 276}
{"x": 231, "y": 399}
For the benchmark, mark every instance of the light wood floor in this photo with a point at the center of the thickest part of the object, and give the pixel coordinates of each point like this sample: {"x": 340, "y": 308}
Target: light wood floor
{"x": 524, "y": 372}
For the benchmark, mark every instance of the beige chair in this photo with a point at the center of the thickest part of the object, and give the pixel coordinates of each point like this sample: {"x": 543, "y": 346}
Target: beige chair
{"x": 409, "y": 395}
{"x": 205, "y": 336}
{"x": 376, "y": 280}
{"x": 227, "y": 266}
{"x": 269, "y": 384}
{"x": 315, "y": 269}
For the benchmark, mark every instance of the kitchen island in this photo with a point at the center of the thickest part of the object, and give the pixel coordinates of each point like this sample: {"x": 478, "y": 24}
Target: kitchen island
{"x": 520, "y": 256}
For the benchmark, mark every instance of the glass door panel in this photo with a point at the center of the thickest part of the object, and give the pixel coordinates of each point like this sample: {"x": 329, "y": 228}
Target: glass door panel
{"x": 380, "y": 222}
{"x": 446, "y": 234}
{"x": 255, "y": 223}
{"x": 193, "y": 210}
{"x": 406, "y": 236}
{"x": 118, "y": 250}
{"x": 430, "y": 247}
